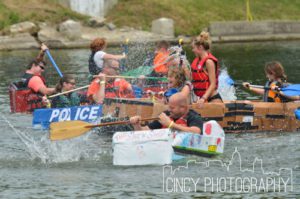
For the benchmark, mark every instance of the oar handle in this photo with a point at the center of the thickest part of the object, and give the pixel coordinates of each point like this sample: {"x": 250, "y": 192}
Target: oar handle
{"x": 132, "y": 77}
{"x": 70, "y": 91}
{"x": 53, "y": 63}
{"x": 118, "y": 122}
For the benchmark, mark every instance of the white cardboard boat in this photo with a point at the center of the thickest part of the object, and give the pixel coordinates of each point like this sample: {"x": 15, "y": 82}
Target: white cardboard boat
{"x": 157, "y": 147}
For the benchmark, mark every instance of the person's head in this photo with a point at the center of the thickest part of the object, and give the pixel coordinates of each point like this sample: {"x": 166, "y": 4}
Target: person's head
{"x": 36, "y": 67}
{"x": 98, "y": 44}
{"x": 111, "y": 67}
{"x": 275, "y": 71}
{"x": 66, "y": 83}
{"x": 201, "y": 43}
{"x": 162, "y": 46}
{"x": 178, "y": 105}
{"x": 176, "y": 77}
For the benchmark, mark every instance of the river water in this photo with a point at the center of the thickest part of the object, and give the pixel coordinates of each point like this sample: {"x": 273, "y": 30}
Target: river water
{"x": 33, "y": 167}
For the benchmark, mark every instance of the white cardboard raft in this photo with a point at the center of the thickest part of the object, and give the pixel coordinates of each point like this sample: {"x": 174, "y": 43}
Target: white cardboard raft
{"x": 142, "y": 147}
{"x": 155, "y": 147}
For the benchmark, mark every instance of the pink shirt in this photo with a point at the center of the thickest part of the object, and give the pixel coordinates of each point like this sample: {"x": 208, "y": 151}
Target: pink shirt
{"x": 36, "y": 83}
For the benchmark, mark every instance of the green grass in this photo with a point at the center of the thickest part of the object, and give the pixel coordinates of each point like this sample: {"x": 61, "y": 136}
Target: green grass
{"x": 190, "y": 16}
{"x": 14, "y": 11}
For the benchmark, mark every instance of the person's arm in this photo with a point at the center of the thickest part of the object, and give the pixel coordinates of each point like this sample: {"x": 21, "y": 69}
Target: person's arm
{"x": 37, "y": 85}
{"x": 41, "y": 54}
{"x": 259, "y": 91}
{"x": 135, "y": 121}
{"x": 99, "y": 96}
{"x": 186, "y": 91}
{"x": 166, "y": 121}
{"x": 111, "y": 56}
{"x": 46, "y": 91}
{"x": 192, "y": 129}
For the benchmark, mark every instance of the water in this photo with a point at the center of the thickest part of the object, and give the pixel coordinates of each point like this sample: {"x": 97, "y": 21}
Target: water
{"x": 33, "y": 167}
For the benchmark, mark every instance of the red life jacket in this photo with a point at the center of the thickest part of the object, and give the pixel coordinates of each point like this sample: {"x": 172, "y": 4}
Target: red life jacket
{"x": 23, "y": 99}
{"x": 182, "y": 121}
{"x": 110, "y": 90}
{"x": 200, "y": 76}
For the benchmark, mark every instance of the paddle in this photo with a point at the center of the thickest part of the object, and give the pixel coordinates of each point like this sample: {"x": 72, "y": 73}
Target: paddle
{"x": 133, "y": 77}
{"x": 125, "y": 51}
{"x": 290, "y": 90}
{"x": 53, "y": 63}
{"x": 70, "y": 129}
{"x": 70, "y": 91}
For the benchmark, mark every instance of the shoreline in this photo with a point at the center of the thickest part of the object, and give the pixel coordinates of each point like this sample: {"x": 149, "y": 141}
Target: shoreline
{"x": 221, "y": 32}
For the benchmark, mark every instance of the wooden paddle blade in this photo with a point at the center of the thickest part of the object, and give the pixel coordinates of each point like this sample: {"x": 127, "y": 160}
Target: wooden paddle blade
{"x": 68, "y": 129}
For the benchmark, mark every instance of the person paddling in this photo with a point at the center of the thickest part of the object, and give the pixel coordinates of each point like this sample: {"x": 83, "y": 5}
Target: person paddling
{"x": 67, "y": 83}
{"x": 178, "y": 117}
{"x": 103, "y": 86}
{"x": 205, "y": 70}
{"x": 98, "y": 56}
{"x": 276, "y": 79}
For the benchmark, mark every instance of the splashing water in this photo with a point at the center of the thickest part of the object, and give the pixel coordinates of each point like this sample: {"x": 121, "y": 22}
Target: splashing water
{"x": 83, "y": 147}
{"x": 225, "y": 88}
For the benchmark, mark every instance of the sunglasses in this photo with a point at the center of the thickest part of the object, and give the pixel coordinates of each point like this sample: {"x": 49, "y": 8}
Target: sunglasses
{"x": 42, "y": 67}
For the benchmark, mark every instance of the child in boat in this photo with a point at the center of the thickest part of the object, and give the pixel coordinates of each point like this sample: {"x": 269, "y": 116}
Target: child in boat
{"x": 276, "y": 79}
{"x": 177, "y": 79}
{"x": 67, "y": 83}
{"x": 98, "y": 56}
{"x": 104, "y": 86}
{"x": 205, "y": 70}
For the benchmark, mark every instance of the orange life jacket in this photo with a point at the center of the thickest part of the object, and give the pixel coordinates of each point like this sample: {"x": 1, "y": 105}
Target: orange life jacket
{"x": 274, "y": 96}
{"x": 199, "y": 75}
{"x": 160, "y": 65}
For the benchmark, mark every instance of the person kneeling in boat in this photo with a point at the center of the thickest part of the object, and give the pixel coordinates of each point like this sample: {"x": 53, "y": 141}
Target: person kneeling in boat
{"x": 178, "y": 117}
{"x": 67, "y": 83}
{"x": 205, "y": 70}
{"x": 276, "y": 79}
{"x": 114, "y": 87}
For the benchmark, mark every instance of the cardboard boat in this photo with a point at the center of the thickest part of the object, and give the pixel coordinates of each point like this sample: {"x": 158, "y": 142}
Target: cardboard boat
{"x": 234, "y": 116}
{"x": 158, "y": 146}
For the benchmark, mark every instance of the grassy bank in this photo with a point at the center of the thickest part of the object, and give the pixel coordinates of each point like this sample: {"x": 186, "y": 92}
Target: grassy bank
{"x": 14, "y": 11}
{"x": 190, "y": 16}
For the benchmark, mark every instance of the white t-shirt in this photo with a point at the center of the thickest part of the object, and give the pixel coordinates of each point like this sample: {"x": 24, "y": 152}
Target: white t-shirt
{"x": 98, "y": 58}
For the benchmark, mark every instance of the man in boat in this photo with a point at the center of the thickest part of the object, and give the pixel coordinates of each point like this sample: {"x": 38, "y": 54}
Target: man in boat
{"x": 178, "y": 117}
{"x": 104, "y": 86}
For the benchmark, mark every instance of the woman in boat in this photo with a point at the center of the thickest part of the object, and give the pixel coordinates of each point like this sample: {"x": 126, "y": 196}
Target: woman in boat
{"x": 276, "y": 79}
{"x": 205, "y": 70}
{"x": 98, "y": 56}
{"x": 67, "y": 83}
{"x": 104, "y": 86}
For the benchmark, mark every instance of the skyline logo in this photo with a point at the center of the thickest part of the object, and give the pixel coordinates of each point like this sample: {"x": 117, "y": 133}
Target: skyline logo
{"x": 219, "y": 176}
